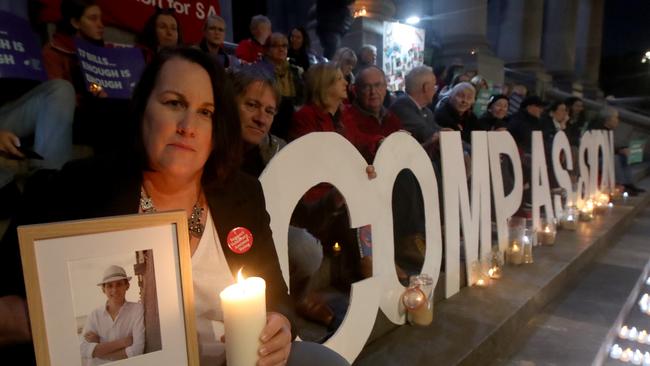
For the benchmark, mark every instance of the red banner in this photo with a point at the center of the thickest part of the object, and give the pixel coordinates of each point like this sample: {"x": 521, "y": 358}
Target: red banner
{"x": 131, "y": 15}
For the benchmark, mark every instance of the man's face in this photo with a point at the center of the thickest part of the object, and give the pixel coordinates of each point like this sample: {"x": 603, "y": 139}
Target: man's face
{"x": 215, "y": 32}
{"x": 278, "y": 49}
{"x": 371, "y": 89}
{"x": 116, "y": 290}
{"x": 262, "y": 32}
{"x": 257, "y": 107}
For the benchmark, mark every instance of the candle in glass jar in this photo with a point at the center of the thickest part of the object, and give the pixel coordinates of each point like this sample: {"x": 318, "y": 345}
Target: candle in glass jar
{"x": 244, "y": 314}
{"x": 547, "y": 236}
{"x": 494, "y": 272}
{"x": 515, "y": 255}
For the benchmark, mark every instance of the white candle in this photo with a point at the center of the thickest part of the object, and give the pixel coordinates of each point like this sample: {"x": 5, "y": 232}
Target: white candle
{"x": 244, "y": 314}
{"x": 634, "y": 333}
{"x": 643, "y": 335}
{"x": 615, "y": 352}
{"x": 623, "y": 333}
{"x": 626, "y": 356}
{"x": 638, "y": 357}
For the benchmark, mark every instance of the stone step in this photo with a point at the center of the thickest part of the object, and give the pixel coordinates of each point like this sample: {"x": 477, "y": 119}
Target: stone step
{"x": 476, "y": 325}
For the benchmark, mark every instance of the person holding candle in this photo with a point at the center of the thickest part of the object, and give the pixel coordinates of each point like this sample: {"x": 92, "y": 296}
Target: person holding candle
{"x": 186, "y": 145}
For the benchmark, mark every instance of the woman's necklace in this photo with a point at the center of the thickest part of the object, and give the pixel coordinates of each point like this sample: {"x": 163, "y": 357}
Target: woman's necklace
{"x": 194, "y": 223}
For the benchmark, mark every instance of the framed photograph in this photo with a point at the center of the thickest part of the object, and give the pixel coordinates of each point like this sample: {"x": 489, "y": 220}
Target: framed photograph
{"x": 114, "y": 289}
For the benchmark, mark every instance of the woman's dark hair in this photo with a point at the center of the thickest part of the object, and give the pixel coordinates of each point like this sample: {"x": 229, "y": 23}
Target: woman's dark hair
{"x": 148, "y": 37}
{"x": 225, "y": 157}
{"x": 570, "y": 101}
{"x": 72, "y": 9}
{"x": 555, "y": 105}
{"x": 306, "y": 43}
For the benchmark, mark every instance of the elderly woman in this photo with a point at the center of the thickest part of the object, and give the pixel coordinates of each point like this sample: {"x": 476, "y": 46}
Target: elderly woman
{"x": 456, "y": 113}
{"x": 495, "y": 116}
{"x": 186, "y": 145}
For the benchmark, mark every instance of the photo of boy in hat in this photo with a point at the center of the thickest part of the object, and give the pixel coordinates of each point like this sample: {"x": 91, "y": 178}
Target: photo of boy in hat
{"x": 115, "y": 330}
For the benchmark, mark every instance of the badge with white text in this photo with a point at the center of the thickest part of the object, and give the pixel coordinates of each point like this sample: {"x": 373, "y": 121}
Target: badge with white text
{"x": 240, "y": 240}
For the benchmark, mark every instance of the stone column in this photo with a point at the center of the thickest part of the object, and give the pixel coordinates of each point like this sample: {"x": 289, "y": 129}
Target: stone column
{"x": 515, "y": 29}
{"x": 589, "y": 45}
{"x": 559, "y": 42}
{"x": 461, "y": 28}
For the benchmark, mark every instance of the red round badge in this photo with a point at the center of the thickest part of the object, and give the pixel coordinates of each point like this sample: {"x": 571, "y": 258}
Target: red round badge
{"x": 240, "y": 240}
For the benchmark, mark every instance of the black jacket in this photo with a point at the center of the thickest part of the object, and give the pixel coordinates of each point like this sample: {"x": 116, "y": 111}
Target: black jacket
{"x": 100, "y": 187}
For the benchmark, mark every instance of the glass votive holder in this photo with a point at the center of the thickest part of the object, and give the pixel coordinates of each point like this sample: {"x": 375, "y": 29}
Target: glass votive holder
{"x": 479, "y": 271}
{"x": 418, "y": 300}
{"x": 546, "y": 236}
{"x": 569, "y": 219}
{"x": 586, "y": 213}
{"x": 495, "y": 269}
{"x": 515, "y": 252}
{"x": 527, "y": 245}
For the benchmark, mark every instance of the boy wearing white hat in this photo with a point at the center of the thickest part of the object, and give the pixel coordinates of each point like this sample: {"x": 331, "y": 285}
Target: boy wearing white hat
{"x": 115, "y": 330}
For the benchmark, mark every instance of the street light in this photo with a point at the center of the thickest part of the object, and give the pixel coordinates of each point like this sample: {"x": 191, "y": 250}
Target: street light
{"x": 413, "y": 20}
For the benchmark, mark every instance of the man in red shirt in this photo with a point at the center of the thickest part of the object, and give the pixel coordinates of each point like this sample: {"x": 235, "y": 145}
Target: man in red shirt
{"x": 368, "y": 112}
{"x": 251, "y": 50}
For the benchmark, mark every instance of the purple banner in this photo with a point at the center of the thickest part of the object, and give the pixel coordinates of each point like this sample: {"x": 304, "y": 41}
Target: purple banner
{"x": 20, "y": 51}
{"x": 114, "y": 71}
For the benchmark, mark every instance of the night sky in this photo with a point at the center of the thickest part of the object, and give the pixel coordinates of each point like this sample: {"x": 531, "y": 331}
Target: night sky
{"x": 626, "y": 36}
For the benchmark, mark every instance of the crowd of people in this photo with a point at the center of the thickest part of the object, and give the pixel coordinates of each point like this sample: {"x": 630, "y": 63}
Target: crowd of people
{"x": 202, "y": 121}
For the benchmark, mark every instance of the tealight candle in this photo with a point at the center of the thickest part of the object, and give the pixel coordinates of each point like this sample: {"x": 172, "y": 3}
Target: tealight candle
{"x": 547, "y": 235}
{"x": 244, "y": 314}
{"x": 637, "y": 359}
{"x": 646, "y": 359}
{"x": 642, "y": 337}
{"x": 623, "y": 333}
{"x": 494, "y": 272}
{"x": 634, "y": 333}
{"x": 626, "y": 356}
{"x": 616, "y": 352}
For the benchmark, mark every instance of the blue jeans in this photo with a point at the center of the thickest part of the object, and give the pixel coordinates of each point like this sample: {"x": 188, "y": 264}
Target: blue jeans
{"x": 46, "y": 112}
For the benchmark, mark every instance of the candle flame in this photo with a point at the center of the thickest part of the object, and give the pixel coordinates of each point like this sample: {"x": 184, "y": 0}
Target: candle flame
{"x": 480, "y": 282}
{"x": 490, "y": 272}
{"x": 240, "y": 277}
{"x": 337, "y": 247}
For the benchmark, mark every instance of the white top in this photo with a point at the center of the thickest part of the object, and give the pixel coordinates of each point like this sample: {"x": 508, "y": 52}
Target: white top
{"x": 210, "y": 274}
{"x": 129, "y": 321}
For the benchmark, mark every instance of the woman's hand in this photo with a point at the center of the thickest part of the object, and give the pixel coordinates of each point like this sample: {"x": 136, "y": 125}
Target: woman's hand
{"x": 276, "y": 341}
{"x": 9, "y": 143}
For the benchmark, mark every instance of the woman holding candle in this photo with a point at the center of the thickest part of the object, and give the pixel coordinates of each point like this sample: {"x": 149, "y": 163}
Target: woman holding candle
{"x": 185, "y": 153}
